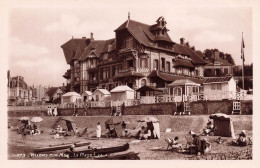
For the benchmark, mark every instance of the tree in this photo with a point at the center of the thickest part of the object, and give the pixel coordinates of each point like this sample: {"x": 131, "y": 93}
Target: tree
{"x": 230, "y": 59}
{"x": 248, "y": 70}
{"x": 209, "y": 52}
{"x": 248, "y": 84}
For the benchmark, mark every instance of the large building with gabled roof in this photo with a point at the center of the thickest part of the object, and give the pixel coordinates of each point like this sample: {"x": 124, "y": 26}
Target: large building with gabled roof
{"x": 140, "y": 54}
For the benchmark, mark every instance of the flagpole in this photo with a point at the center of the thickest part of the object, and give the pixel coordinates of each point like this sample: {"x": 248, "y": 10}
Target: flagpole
{"x": 243, "y": 81}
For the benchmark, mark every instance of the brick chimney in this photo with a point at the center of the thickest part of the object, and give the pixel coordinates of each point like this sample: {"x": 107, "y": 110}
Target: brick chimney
{"x": 216, "y": 56}
{"x": 182, "y": 41}
{"x": 91, "y": 36}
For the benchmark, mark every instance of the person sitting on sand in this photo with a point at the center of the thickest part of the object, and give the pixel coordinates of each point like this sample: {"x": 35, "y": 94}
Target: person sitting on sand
{"x": 205, "y": 145}
{"x": 197, "y": 144}
{"x": 77, "y": 131}
{"x": 107, "y": 130}
{"x": 113, "y": 133}
{"x": 124, "y": 130}
{"x": 219, "y": 140}
{"x": 209, "y": 128}
{"x": 57, "y": 136}
{"x": 241, "y": 141}
{"x": 175, "y": 144}
{"x": 59, "y": 128}
{"x": 145, "y": 133}
{"x": 35, "y": 130}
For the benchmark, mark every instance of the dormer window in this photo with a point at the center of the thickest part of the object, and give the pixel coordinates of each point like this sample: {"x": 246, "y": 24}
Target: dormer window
{"x": 129, "y": 42}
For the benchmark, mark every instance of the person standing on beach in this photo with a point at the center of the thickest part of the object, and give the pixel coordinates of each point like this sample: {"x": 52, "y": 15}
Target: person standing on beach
{"x": 123, "y": 109}
{"x": 98, "y": 130}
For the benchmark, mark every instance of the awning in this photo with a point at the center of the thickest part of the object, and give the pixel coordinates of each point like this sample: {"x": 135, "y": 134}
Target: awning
{"x": 170, "y": 77}
{"x": 224, "y": 79}
{"x": 183, "y": 63}
{"x": 148, "y": 88}
{"x": 128, "y": 74}
{"x": 182, "y": 82}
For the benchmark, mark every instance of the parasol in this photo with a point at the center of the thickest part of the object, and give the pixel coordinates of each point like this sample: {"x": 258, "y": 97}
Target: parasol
{"x": 36, "y": 119}
{"x": 24, "y": 118}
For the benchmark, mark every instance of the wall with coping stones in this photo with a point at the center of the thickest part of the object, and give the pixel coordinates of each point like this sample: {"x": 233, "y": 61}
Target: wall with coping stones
{"x": 211, "y": 107}
{"x": 197, "y": 108}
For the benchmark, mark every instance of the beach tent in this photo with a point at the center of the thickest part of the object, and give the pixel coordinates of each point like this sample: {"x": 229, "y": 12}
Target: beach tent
{"x": 120, "y": 93}
{"x": 70, "y": 124}
{"x": 71, "y": 97}
{"x": 101, "y": 95}
{"x": 223, "y": 124}
{"x": 152, "y": 123}
{"x": 87, "y": 96}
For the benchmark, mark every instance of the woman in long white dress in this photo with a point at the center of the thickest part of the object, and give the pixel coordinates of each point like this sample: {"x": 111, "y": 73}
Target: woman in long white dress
{"x": 98, "y": 130}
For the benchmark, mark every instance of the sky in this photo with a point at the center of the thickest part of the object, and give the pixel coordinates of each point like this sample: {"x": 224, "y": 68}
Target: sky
{"x": 36, "y": 33}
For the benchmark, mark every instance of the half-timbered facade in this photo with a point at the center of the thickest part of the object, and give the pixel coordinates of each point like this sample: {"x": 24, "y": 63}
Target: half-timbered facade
{"x": 139, "y": 55}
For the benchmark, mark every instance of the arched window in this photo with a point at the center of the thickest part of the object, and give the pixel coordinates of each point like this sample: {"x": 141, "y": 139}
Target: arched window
{"x": 177, "y": 91}
{"x": 143, "y": 82}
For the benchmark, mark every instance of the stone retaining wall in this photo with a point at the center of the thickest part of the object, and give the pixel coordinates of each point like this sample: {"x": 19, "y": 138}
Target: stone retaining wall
{"x": 197, "y": 108}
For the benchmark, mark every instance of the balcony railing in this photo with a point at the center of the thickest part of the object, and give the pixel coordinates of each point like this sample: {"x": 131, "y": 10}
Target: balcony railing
{"x": 126, "y": 70}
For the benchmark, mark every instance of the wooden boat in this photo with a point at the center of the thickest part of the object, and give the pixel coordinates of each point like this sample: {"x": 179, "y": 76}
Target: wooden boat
{"x": 125, "y": 156}
{"x": 60, "y": 147}
{"x": 96, "y": 152}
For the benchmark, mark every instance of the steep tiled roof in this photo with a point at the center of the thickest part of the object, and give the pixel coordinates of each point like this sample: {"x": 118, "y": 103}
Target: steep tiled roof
{"x": 224, "y": 79}
{"x": 200, "y": 53}
{"x": 196, "y": 59}
{"x": 183, "y": 63}
{"x": 180, "y": 49}
{"x": 171, "y": 78}
{"x": 73, "y": 46}
{"x": 77, "y": 53}
{"x": 112, "y": 43}
{"x": 142, "y": 32}
{"x": 95, "y": 46}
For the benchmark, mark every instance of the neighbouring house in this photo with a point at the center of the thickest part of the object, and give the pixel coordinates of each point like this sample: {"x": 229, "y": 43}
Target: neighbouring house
{"x": 87, "y": 96}
{"x": 71, "y": 97}
{"x": 18, "y": 90}
{"x": 123, "y": 92}
{"x": 140, "y": 54}
{"x": 39, "y": 92}
{"x": 218, "y": 88}
{"x": 53, "y": 95}
{"x": 101, "y": 95}
{"x": 217, "y": 66}
{"x": 148, "y": 91}
{"x": 184, "y": 87}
